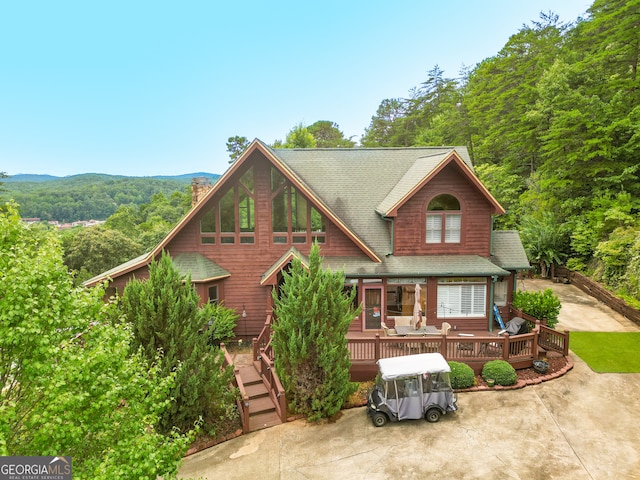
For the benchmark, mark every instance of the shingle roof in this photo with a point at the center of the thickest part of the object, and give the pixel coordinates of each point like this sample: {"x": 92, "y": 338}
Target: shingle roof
{"x": 199, "y": 267}
{"x": 353, "y": 181}
{"x": 416, "y": 266}
{"x": 123, "y": 267}
{"x": 282, "y": 261}
{"x": 356, "y": 187}
{"x": 508, "y": 251}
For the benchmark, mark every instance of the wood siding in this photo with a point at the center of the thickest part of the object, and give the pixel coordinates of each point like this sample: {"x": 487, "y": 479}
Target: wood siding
{"x": 248, "y": 262}
{"x": 475, "y": 236}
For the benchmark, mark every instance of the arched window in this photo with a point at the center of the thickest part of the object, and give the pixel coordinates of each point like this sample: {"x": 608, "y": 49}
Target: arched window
{"x": 444, "y": 220}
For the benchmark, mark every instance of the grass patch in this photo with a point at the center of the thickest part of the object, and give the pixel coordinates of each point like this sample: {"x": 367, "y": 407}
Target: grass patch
{"x": 608, "y": 352}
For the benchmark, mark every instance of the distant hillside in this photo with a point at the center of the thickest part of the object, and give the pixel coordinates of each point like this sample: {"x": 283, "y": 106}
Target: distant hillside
{"x": 89, "y": 196}
{"x": 30, "y": 177}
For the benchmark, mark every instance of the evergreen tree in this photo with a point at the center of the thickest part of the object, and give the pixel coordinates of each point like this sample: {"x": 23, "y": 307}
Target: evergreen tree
{"x": 163, "y": 311}
{"x": 309, "y": 338}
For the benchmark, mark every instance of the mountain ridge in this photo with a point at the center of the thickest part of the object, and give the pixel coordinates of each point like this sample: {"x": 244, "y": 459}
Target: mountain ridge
{"x": 40, "y": 178}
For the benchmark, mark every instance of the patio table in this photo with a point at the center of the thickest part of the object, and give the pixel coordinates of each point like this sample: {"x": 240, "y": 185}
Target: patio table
{"x": 409, "y": 331}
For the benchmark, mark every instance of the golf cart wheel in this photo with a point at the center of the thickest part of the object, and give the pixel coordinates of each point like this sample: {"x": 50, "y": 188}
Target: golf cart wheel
{"x": 433, "y": 415}
{"x": 379, "y": 419}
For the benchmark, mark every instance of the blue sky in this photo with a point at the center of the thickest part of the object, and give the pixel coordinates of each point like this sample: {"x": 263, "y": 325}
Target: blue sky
{"x": 157, "y": 87}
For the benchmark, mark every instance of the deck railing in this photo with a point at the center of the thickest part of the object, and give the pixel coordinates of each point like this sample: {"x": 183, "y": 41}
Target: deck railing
{"x": 475, "y": 350}
{"x": 242, "y": 400}
{"x": 551, "y": 339}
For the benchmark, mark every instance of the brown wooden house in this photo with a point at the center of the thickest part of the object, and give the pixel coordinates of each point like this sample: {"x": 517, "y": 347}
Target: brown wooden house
{"x": 390, "y": 218}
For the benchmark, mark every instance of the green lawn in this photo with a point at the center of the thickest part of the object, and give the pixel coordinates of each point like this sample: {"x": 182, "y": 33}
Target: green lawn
{"x": 608, "y": 352}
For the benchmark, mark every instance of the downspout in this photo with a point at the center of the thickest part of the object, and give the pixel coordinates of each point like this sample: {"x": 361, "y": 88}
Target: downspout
{"x": 491, "y": 237}
{"x": 393, "y": 233}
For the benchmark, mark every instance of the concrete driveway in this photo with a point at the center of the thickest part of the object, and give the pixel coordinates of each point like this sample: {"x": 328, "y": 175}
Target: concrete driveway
{"x": 583, "y": 425}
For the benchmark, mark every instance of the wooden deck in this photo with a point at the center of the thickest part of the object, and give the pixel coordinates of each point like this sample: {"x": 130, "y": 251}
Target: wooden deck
{"x": 475, "y": 348}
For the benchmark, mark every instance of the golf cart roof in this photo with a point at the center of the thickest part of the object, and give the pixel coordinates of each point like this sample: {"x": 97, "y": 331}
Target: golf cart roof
{"x": 410, "y": 365}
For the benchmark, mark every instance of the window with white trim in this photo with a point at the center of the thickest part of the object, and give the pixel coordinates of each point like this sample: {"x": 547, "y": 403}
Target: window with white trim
{"x": 462, "y": 297}
{"x": 444, "y": 220}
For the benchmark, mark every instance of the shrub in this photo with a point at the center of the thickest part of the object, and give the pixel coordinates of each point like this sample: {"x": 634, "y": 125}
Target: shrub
{"x": 309, "y": 339}
{"x": 502, "y": 372}
{"x": 223, "y": 321}
{"x": 541, "y": 305}
{"x": 462, "y": 375}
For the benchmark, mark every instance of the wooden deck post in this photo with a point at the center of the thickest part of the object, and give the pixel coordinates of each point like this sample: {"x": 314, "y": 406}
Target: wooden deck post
{"x": 506, "y": 347}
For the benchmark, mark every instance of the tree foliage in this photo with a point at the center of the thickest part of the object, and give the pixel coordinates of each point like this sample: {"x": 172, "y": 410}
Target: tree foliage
{"x": 309, "y": 338}
{"x": 299, "y": 137}
{"x": 94, "y": 250}
{"x": 328, "y": 135}
{"x": 165, "y": 318}
{"x": 89, "y": 196}
{"x": 68, "y": 384}
{"x": 236, "y": 146}
{"x": 552, "y": 122}
{"x": 545, "y": 304}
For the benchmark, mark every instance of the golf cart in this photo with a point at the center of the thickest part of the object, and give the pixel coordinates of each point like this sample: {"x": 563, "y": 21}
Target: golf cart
{"x": 411, "y": 387}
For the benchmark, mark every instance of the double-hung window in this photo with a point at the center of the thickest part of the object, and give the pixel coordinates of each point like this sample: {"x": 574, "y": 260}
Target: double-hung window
{"x": 444, "y": 220}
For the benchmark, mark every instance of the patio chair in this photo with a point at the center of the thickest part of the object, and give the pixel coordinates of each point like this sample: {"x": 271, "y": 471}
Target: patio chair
{"x": 403, "y": 320}
{"x": 444, "y": 330}
{"x": 388, "y": 332}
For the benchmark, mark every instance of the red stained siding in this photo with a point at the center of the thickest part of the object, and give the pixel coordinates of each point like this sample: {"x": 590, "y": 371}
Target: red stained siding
{"x": 248, "y": 262}
{"x": 410, "y": 226}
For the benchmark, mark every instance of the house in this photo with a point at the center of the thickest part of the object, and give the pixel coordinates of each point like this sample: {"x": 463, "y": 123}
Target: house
{"x": 390, "y": 218}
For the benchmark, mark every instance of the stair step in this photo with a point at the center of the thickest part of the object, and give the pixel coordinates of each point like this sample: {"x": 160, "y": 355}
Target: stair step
{"x": 264, "y": 420}
{"x": 249, "y": 375}
{"x": 256, "y": 391}
{"x": 261, "y": 405}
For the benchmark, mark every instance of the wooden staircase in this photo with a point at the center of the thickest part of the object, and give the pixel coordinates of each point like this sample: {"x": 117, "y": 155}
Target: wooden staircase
{"x": 262, "y": 410}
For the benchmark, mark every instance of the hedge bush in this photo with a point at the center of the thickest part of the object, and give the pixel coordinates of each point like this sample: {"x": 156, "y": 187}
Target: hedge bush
{"x": 462, "y": 375}
{"x": 545, "y": 304}
{"x": 499, "y": 370}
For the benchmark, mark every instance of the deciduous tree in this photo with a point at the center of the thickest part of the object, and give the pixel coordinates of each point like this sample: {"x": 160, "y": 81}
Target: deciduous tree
{"x": 68, "y": 384}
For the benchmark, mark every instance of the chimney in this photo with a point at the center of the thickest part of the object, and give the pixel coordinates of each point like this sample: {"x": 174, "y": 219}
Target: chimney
{"x": 199, "y": 187}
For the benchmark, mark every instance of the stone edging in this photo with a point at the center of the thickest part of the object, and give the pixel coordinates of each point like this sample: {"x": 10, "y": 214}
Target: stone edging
{"x": 523, "y": 383}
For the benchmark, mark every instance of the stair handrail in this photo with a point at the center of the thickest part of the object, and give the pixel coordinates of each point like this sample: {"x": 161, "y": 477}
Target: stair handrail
{"x": 264, "y": 338}
{"x": 242, "y": 400}
{"x": 273, "y": 384}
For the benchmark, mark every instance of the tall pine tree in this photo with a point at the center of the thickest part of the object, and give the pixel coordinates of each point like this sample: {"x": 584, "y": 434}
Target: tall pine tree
{"x": 309, "y": 338}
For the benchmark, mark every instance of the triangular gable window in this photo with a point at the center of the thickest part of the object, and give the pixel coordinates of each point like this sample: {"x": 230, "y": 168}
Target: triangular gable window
{"x": 293, "y": 219}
